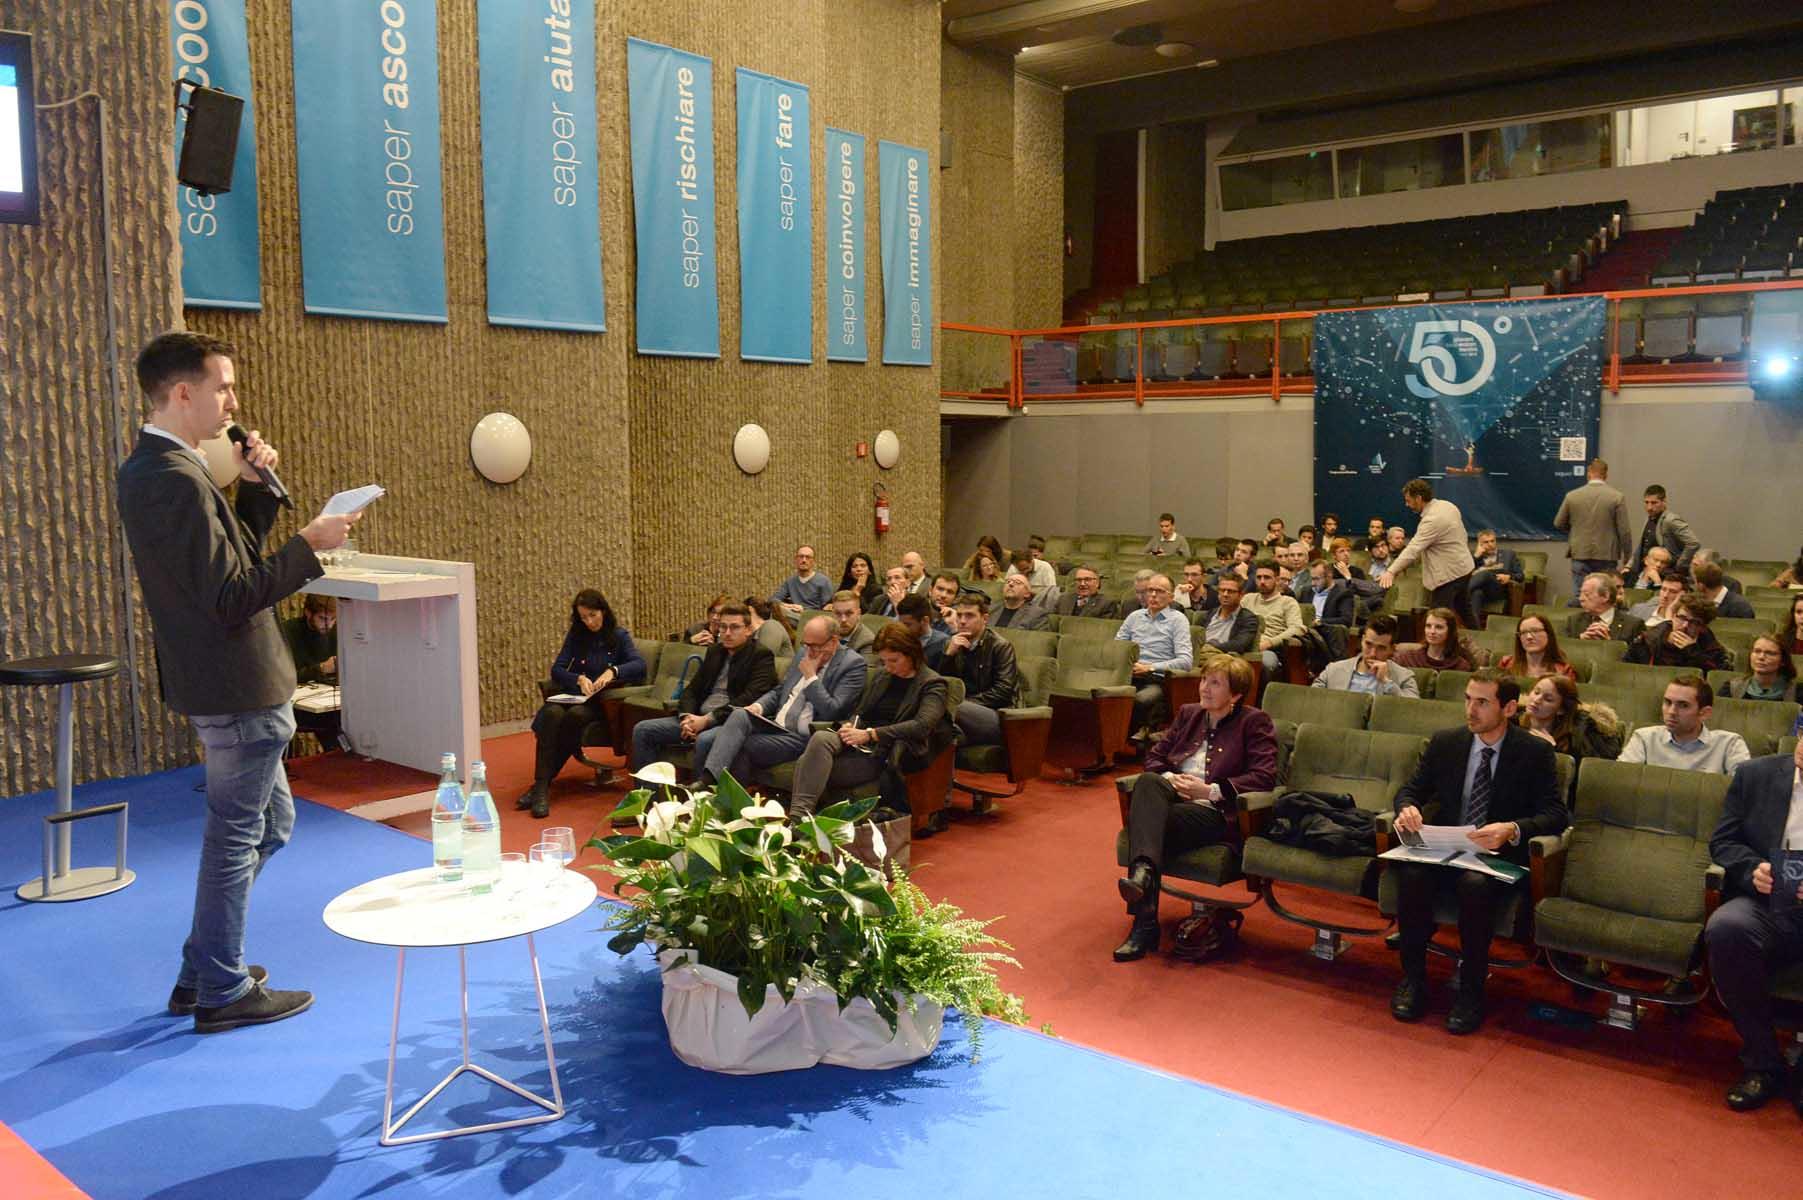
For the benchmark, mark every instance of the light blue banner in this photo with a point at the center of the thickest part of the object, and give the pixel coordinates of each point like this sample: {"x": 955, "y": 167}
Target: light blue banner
{"x": 906, "y": 212}
{"x": 776, "y": 223}
{"x": 366, "y": 145}
{"x": 671, "y": 97}
{"x": 540, "y": 187}
{"x": 221, "y": 261}
{"x": 845, "y": 339}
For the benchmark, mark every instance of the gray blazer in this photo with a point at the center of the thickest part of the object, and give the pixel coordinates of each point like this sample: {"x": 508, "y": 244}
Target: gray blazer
{"x": 1596, "y": 516}
{"x": 1673, "y": 532}
{"x": 206, "y": 583}
{"x": 833, "y": 692}
{"x": 1337, "y": 677}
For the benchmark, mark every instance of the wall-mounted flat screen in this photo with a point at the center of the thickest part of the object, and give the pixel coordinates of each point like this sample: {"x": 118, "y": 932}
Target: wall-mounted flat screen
{"x": 18, "y": 131}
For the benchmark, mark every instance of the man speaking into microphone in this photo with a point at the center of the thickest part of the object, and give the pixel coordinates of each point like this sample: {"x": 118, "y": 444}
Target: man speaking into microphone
{"x": 220, "y": 653}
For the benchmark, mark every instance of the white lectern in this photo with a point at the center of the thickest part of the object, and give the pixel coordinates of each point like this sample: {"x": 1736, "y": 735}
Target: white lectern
{"x": 407, "y": 658}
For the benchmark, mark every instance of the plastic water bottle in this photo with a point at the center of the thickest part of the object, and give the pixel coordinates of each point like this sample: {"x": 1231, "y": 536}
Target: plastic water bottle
{"x": 481, "y": 834}
{"x": 447, "y": 822}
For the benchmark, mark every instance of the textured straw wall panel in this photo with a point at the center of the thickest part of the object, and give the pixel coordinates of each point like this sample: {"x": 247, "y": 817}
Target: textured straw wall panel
{"x": 60, "y": 587}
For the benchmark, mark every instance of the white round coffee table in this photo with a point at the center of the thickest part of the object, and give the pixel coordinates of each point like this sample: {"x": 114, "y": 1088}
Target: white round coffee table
{"x": 412, "y": 910}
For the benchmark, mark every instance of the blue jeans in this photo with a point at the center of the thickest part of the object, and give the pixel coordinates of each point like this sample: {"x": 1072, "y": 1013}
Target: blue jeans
{"x": 250, "y": 815}
{"x": 650, "y": 739}
{"x": 743, "y": 745}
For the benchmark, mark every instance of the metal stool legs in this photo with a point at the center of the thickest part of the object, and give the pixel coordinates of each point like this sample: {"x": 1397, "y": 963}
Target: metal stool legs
{"x": 59, "y": 882}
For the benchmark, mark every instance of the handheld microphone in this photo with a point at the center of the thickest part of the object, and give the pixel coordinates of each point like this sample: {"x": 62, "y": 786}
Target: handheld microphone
{"x": 270, "y": 479}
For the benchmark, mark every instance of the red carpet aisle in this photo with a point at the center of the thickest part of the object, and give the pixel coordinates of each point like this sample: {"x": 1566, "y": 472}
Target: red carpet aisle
{"x": 1587, "y": 1109}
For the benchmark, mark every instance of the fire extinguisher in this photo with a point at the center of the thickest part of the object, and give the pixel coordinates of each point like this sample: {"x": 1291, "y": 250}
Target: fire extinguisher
{"x": 882, "y": 509}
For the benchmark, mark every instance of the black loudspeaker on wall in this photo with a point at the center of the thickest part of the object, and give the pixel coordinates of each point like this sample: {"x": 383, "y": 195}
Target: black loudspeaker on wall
{"x": 210, "y": 141}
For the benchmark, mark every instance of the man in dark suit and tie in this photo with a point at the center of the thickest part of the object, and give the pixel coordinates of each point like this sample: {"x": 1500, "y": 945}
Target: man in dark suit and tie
{"x": 1599, "y": 619}
{"x": 1754, "y": 933}
{"x": 1085, "y": 599}
{"x": 1500, "y": 778}
{"x": 220, "y": 654}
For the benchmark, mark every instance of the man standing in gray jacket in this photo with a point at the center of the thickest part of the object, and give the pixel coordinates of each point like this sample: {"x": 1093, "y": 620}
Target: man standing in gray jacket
{"x": 1668, "y": 529}
{"x": 220, "y": 653}
{"x": 1596, "y": 518}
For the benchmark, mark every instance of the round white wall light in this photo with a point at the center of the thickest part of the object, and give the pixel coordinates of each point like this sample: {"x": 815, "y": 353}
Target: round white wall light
{"x": 751, "y": 448}
{"x": 888, "y": 449}
{"x": 501, "y": 447}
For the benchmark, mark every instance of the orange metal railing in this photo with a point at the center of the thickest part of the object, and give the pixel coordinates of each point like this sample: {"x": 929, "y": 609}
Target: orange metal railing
{"x": 1016, "y": 395}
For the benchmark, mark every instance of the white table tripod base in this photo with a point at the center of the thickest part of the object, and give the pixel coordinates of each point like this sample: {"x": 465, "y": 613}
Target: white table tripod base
{"x": 554, "y": 1108}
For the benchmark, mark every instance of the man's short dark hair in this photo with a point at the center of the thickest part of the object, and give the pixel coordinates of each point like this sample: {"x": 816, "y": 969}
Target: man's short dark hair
{"x": 1224, "y": 547}
{"x": 1193, "y": 562}
{"x": 1326, "y": 517}
{"x": 1273, "y": 521}
{"x": 1671, "y": 573}
{"x": 1483, "y": 533}
{"x": 1167, "y": 517}
{"x": 1419, "y": 488}
{"x": 976, "y": 600}
{"x": 1231, "y": 578}
{"x": 1021, "y": 559}
{"x": 1708, "y": 574}
{"x": 735, "y": 609}
{"x": 1035, "y": 542}
{"x": 1085, "y": 567}
{"x": 1265, "y": 564}
{"x": 914, "y": 605}
{"x": 1252, "y": 542}
{"x": 1705, "y": 693}
{"x": 1699, "y": 606}
{"x": 1655, "y": 489}
{"x": 949, "y": 577}
{"x": 1306, "y": 529}
{"x": 1508, "y": 687}
{"x": 1383, "y": 625}
{"x": 176, "y": 357}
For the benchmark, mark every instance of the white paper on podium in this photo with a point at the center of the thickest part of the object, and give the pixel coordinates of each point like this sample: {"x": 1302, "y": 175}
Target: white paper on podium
{"x": 355, "y": 500}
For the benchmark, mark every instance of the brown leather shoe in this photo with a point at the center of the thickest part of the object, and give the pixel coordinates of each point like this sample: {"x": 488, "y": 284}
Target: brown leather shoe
{"x": 182, "y": 1000}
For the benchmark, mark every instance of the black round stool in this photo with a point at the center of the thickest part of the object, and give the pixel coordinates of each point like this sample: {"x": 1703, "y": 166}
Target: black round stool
{"x": 59, "y": 882}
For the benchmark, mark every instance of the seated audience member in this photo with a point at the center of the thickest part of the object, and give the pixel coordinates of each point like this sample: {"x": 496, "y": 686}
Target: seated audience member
{"x": 1499, "y": 777}
{"x": 822, "y": 684}
{"x": 1292, "y": 569}
{"x": 806, "y": 589}
{"x": 597, "y": 654}
{"x": 1333, "y": 601}
{"x": 1167, "y": 540}
{"x": 1715, "y": 556}
{"x": 1754, "y": 934}
{"x": 1553, "y": 713}
{"x": 1709, "y": 585}
{"x": 852, "y": 632}
{"x": 1193, "y": 594}
{"x": 1537, "y": 651}
{"x": 312, "y": 639}
{"x": 1375, "y": 536}
{"x": 1274, "y": 534}
{"x": 1664, "y": 606}
{"x": 942, "y": 593}
{"x": 1231, "y": 627}
{"x": 1045, "y": 574}
{"x": 702, "y": 633}
{"x": 1339, "y": 561}
{"x": 860, "y": 579}
{"x": 1141, "y": 577}
{"x": 1330, "y": 527}
{"x": 915, "y": 612}
{"x": 1653, "y": 567}
{"x": 984, "y": 567}
{"x": 900, "y": 724}
{"x": 1397, "y": 539}
{"x": 1086, "y": 599}
{"x": 1186, "y": 797}
{"x": 1790, "y": 630}
{"x": 1372, "y": 670}
{"x": 1683, "y": 641}
{"x": 1245, "y": 551}
{"x": 1771, "y": 673}
{"x": 895, "y": 586}
{"x": 1018, "y": 610}
{"x": 1311, "y": 544}
{"x": 1684, "y": 739}
{"x": 1443, "y": 646}
{"x": 916, "y": 568}
{"x": 1598, "y": 619}
{"x": 1224, "y": 555}
{"x": 1163, "y": 637}
{"x": 770, "y": 627}
{"x": 1380, "y": 558}
{"x": 735, "y": 673}
{"x": 1494, "y": 569}
{"x": 985, "y": 663}
{"x": 986, "y": 545}
{"x": 1279, "y": 615}
{"x": 1023, "y": 565}
{"x": 1791, "y": 576}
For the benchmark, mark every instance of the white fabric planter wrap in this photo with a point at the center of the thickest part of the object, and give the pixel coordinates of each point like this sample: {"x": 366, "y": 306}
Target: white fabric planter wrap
{"x": 709, "y": 1029}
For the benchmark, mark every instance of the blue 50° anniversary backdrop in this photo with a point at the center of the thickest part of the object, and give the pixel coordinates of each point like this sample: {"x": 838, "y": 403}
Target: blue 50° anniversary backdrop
{"x": 1496, "y": 404}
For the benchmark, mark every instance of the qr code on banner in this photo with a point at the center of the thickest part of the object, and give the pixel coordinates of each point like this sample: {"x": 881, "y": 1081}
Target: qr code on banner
{"x": 1571, "y": 449}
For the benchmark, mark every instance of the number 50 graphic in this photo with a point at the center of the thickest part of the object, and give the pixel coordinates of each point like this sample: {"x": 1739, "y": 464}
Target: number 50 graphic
{"x": 1439, "y": 362}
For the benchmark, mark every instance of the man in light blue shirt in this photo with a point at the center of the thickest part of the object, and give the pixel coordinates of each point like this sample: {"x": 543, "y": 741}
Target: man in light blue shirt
{"x": 1683, "y": 740}
{"x": 1162, "y": 635}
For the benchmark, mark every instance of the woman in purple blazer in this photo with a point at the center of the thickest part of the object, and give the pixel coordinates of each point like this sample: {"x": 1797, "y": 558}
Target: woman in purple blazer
{"x": 1185, "y": 798}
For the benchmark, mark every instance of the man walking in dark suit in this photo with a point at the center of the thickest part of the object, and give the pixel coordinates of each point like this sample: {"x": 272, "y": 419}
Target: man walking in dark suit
{"x": 1500, "y": 778}
{"x": 220, "y": 653}
{"x": 1755, "y": 932}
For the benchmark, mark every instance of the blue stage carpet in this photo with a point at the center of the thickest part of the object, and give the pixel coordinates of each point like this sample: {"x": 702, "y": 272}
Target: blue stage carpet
{"x": 130, "y": 1103}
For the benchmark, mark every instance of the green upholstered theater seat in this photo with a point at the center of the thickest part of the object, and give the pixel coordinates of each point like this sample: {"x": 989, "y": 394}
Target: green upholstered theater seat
{"x": 1423, "y": 718}
{"x": 1636, "y": 675}
{"x": 1586, "y": 656}
{"x": 1029, "y": 641}
{"x": 1026, "y": 729}
{"x": 1760, "y": 722}
{"x": 1090, "y": 628}
{"x": 1092, "y": 702}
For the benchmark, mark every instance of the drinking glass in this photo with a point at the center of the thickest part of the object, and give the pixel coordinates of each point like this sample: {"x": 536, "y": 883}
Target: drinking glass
{"x": 564, "y": 838}
{"x": 547, "y": 862}
{"x": 512, "y": 884}
{"x": 347, "y": 553}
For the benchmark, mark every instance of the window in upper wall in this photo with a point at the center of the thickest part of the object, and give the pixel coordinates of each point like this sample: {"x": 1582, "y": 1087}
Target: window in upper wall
{"x": 1541, "y": 148}
{"x": 1409, "y": 166}
{"x": 1288, "y": 180}
{"x": 1694, "y": 128}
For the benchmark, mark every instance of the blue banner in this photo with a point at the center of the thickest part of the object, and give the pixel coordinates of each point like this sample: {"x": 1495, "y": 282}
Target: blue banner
{"x": 906, "y": 213}
{"x": 366, "y": 149}
{"x": 671, "y": 98}
{"x": 540, "y": 185}
{"x": 846, "y": 340}
{"x": 776, "y": 221}
{"x": 221, "y": 261}
{"x": 1497, "y": 404}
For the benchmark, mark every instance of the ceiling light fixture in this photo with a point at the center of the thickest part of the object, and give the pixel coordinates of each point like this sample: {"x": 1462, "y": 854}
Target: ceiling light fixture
{"x": 1175, "y": 49}
{"x": 1209, "y": 62}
